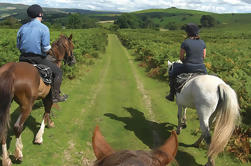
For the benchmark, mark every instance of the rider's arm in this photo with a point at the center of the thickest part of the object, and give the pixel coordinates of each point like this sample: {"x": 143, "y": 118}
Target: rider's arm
{"x": 19, "y": 38}
{"x": 204, "y": 53}
{"x": 182, "y": 54}
{"x": 45, "y": 43}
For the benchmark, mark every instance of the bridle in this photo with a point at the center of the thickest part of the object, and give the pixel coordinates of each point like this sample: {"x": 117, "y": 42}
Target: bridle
{"x": 69, "y": 59}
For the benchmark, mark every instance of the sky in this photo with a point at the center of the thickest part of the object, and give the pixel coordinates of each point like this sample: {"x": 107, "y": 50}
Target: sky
{"x": 216, "y": 6}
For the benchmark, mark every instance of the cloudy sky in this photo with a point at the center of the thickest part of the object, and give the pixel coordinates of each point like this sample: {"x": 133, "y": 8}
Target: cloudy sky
{"x": 217, "y": 6}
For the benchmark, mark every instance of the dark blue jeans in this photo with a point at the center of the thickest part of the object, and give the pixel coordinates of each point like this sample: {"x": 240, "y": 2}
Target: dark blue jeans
{"x": 38, "y": 59}
{"x": 179, "y": 68}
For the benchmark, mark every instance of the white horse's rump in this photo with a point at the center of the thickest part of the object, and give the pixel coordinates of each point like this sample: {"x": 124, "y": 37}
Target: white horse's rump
{"x": 206, "y": 94}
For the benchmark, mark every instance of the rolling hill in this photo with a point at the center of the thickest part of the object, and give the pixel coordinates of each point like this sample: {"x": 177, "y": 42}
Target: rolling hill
{"x": 182, "y": 16}
{"x": 19, "y": 11}
{"x": 162, "y": 17}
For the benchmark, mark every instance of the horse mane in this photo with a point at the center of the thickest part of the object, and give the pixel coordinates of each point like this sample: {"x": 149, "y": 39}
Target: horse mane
{"x": 60, "y": 40}
{"x": 129, "y": 158}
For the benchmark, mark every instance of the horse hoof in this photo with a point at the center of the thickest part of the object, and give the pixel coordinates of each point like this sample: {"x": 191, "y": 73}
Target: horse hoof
{"x": 195, "y": 145}
{"x": 183, "y": 126}
{"x": 19, "y": 159}
{"x": 51, "y": 125}
{"x": 38, "y": 141}
{"x": 6, "y": 162}
{"x": 178, "y": 132}
{"x": 18, "y": 155}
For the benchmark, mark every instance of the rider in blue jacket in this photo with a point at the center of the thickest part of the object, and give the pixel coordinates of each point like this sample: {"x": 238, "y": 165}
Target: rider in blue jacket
{"x": 195, "y": 50}
{"x": 33, "y": 41}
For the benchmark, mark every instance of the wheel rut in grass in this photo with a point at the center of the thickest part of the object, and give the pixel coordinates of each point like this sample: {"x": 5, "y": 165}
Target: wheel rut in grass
{"x": 146, "y": 99}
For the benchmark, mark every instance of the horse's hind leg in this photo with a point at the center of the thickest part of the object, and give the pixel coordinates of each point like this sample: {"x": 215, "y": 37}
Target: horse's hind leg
{"x": 184, "y": 119}
{"x": 18, "y": 128}
{"x": 204, "y": 115}
{"x": 5, "y": 159}
{"x": 179, "y": 127}
{"x": 46, "y": 119}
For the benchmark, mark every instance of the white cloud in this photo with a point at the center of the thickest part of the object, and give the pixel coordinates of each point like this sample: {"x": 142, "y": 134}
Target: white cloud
{"x": 218, "y": 6}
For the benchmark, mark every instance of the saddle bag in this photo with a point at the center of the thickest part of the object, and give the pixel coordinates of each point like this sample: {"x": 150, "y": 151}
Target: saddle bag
{"x": 45, "y": 73}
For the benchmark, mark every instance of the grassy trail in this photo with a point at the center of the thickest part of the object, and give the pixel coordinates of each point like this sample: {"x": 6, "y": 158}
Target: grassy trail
{"x": 128, "y": 106}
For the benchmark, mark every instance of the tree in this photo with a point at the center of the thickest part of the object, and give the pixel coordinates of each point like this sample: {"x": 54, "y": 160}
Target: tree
{"x": 128, "y": 21}
{"x": 12, "y": 22}
{"x": 88, "y": 22}
{"x": 172, "y": 26}
{"x": 74, "y": 21}
{"x": 207, "y": 21}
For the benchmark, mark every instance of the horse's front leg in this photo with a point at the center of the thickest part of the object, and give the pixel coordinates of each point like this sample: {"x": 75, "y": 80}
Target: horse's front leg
{"x": 46, "y": 119}
{"x": 179, "y": 119}
{"x": 6, "y": 161}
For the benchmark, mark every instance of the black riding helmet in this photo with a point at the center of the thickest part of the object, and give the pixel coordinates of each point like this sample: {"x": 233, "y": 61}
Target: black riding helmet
{"x": 192, "y": 29}
{"x": 34, "y": 10}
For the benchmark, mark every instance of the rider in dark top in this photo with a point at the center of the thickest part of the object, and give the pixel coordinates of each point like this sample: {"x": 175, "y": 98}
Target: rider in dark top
{"x": 33, "y": 41}
{"x": 193, "y": 62}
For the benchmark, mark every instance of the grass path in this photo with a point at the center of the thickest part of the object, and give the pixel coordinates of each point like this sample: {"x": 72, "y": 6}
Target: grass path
{"x": 128, "y": 106}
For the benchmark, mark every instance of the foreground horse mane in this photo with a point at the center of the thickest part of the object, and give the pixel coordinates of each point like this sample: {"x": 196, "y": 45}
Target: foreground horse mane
{"x": 106, "y": 156}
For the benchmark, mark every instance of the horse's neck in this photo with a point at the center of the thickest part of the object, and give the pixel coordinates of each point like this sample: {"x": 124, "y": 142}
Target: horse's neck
{"x": 58, "y": 54}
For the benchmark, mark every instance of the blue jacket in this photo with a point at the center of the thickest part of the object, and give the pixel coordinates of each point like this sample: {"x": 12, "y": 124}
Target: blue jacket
{"x": 34, "y": 37}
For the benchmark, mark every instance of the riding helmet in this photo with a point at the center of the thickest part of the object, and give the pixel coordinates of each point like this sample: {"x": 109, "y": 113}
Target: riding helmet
{"x": 192, "y": 29}
{"x": 34, "y": 10}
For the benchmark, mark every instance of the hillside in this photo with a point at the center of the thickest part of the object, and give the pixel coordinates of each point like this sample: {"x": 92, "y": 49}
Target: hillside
{"x": 182, "y": 16}
{"x": 19, "y": 11}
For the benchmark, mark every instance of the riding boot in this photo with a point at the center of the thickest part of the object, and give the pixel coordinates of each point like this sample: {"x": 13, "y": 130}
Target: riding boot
{"x": 56, "y": 97}
{"x": 172, "y": 89}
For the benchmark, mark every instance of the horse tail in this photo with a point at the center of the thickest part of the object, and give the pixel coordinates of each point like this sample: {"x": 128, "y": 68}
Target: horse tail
{"x": 227, "y": 117}
{"x": 6, "y": 96}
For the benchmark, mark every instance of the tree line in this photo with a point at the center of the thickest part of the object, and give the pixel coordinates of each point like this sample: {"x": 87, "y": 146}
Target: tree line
{"x": 126, "y": 20}
{"x": 134, "y": 21}
{"x": 71, "y": 21}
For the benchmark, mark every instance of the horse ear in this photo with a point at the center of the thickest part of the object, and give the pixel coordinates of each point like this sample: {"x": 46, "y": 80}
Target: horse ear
{"x": 70, "y": 37}
{"x": 167, "y": 152}
{"x": 169, "y": 63}
{"x": 100, "y": 147}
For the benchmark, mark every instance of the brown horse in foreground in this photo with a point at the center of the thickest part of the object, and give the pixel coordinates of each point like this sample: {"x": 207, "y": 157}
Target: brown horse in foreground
{"x": 106, "y": 156}
{"x": 21, "y": 81}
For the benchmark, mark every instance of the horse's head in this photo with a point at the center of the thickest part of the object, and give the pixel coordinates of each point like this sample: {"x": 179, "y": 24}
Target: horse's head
{"x": 106, "y": 156}
{"x": 69, "y": 58}
{"x": 62, "y": 50}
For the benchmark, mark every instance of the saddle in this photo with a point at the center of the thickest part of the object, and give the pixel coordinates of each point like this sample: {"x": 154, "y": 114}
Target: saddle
{"x": 45, "y": 73}
{"x": 183, "y": 78}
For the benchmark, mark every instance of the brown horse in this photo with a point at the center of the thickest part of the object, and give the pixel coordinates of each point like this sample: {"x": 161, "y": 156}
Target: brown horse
{"x": 22, "y": 82}
{"x": 106, "y": 156}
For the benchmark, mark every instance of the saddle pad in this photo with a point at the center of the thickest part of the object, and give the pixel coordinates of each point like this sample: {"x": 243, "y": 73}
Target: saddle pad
{"x": 183, "y": 78}
{"x": 45, "y": 73}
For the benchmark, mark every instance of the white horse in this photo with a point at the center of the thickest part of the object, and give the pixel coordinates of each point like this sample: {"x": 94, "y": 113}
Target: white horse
{"x": 214, "y": 100}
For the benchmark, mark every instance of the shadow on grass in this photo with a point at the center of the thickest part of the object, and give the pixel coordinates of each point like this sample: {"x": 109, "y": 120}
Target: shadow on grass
{"x": 151, "y": 133}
